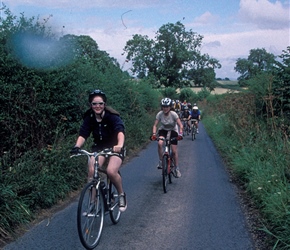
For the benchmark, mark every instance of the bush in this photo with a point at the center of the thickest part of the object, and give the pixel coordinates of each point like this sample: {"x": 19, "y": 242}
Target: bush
{"x": 258, "y": 155}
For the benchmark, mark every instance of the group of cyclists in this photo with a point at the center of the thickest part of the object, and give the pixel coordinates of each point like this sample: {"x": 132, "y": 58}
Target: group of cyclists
{"x": 108, "y": 131}
{"x": 170, "y": 117}
{"x": 187, "y": 112}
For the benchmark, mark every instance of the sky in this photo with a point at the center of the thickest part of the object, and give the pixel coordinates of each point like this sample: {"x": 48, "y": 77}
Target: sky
{"x": 230, "y": 28}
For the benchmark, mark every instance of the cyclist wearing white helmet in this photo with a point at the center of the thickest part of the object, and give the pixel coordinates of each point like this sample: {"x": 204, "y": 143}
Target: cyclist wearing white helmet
{"x": 169, "y": 121}
{"x": 195, "y": 114}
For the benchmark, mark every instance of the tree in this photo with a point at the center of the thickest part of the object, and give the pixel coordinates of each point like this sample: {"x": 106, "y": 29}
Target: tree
{"x": 282, "y": 81}
{"x": 258, "y": 61}
{"x": 173, "y": 58}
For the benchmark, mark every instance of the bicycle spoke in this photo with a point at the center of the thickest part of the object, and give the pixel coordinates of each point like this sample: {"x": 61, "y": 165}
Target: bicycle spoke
{"x": 115, "y": 213}
{"x": 90, "y": 217}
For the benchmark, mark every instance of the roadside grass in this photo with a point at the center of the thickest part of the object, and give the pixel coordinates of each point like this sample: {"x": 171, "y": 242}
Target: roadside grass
{"x": 257, "y": 155}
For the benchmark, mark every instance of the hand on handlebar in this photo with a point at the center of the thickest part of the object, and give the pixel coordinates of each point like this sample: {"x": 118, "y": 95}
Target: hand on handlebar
{"x": 75, "y": 150}
{"x": 179, "y": 137}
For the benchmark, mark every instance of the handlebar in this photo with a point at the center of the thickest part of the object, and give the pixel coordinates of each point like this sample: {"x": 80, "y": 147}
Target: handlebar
{"x": 164, "y": 139}
{"x": 105, "y": 152}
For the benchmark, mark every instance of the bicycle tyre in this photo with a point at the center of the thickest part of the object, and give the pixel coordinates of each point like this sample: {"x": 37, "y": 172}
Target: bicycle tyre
{"x": 165, "y": 177}
{"x": 172, "y": 168}
{"x": 90, "y": 219}
{"x": 184, "y": 132}
{"x": 115, "y": 213}
{"x": 193, "y": 132}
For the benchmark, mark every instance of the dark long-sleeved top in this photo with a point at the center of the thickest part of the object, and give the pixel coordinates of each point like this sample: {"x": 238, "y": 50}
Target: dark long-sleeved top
{"x": 104, "y": 132}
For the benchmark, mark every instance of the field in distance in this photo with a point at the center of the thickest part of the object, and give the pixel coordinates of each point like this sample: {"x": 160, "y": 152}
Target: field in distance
{"x": 223, "y": 87}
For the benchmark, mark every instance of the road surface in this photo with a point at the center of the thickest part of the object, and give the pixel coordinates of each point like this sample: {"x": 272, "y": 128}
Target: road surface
{"x": 200, "y": 211}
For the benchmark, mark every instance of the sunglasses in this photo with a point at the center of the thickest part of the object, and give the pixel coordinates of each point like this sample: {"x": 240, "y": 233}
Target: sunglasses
{"x": 97, "y": 103}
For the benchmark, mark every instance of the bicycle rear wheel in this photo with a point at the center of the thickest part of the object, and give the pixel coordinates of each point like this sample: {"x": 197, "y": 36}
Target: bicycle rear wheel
{"x": 90, "y": 216}
{"x": 187, "y": 129}
{"x": 184, "y": 132}
{"x": 113, "y": 199}
{"x": 165, "y": 176}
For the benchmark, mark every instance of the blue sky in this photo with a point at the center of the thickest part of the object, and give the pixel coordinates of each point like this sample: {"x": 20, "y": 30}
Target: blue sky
{"x": 231, "y": 28}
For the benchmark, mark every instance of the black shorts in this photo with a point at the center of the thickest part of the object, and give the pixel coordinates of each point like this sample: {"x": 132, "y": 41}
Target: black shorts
{"x": 122, "y": 154}
{"x": 163, "y": 133}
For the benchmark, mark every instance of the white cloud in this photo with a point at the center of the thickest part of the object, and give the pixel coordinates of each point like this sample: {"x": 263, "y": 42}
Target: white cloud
{"x": 205, "y": 19}
{"x": 264, "y": 14}
{"x": 238, "y": 45}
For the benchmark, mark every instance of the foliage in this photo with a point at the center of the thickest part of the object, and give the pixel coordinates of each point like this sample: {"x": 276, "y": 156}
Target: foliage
{"x": 258, "y": 61}
{"x": 170, "y": 92}
{"x": 173, "y": 59}
{"x": 258, "y": 154}
{"x": 187, "y": 94}
{"x": 281, "y": 82}
{"x": 42, "y": 107}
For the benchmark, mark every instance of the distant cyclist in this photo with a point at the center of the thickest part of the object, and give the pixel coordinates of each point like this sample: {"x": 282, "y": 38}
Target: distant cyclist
{"x": 186, "y": 115}
{"x": 177, "y": 107}
{"x": 169, "y": 121}
{"x": 195, "y": 114}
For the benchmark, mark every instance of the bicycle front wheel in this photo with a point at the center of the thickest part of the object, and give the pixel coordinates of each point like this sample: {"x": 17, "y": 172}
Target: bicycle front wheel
{"x": 165, "y": 176}
{"x": 90, "y": 216}
{"x": 115, "y": 213}
{"x": 193, "y": 133}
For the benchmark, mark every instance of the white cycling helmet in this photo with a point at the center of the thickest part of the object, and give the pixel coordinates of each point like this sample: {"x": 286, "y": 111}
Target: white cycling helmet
{"x": 195, "y": 108}
{"x": 166, "y": 102}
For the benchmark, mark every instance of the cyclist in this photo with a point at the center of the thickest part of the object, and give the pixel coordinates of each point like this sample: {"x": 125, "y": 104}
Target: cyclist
{"x": 177, "y": 107}
{"x": 186, "y": 117}
{"x": 169, "y": 121}
{"x": 108, "y": 130}
{"x": 195, "y": 114}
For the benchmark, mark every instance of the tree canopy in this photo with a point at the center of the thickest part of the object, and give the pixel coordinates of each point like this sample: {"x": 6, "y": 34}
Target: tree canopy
{"x": 173, "y": 59}
{"x": 258, "y": 61}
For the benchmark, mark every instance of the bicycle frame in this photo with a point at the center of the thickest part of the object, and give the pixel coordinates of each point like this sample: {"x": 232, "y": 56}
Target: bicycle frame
{"x": 193, "y": 128}
{"x": 185, "y": 126}
{"x": 98, "y": 197}
{"x": 167, "y": 161}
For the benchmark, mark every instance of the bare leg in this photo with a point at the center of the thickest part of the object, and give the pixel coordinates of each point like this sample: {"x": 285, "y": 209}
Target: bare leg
{"x": 175, "y": 154}
{"x": 160, "y": 149}
{"x": 112, "y": 171}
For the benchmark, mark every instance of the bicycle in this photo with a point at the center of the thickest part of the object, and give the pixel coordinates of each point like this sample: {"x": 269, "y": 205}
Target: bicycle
{"x": 185, "y": 127}
{"x": 98, "y": 197}
{"x": 168, "y": 163}
{"x": 193, "y": 129}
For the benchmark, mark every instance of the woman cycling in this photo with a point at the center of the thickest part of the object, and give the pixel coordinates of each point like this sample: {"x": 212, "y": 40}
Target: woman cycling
{"x": 169, "y": 121}
{"x": 108, "y": 130}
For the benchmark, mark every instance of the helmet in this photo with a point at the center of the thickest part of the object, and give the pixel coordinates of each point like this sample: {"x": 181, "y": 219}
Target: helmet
{"x": 185, "y": 108}
{"x": 166, "y": 102}
{"x": 97, "y": 92}
{"x": 195, "y": 108}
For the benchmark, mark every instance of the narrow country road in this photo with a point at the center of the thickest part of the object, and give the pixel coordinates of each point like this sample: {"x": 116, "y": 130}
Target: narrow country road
{"x": 201, "y": 210}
